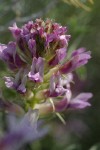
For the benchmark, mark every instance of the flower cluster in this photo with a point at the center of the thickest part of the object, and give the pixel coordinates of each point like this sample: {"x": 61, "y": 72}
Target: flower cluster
{"x": 40, "y": 65}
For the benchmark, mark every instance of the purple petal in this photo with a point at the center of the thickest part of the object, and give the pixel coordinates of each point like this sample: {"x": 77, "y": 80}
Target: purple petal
{"x": 61, "y": 105}
{"x": 59, "y": 57}
{"x": 64, "y": 40}
{"x": 56, "y": 88}
{"x": 2, "y": 48}
{"x": 40, "y": 66}
{"x": 60, "y": 30}
{"x": 61, "y": 54}
{"x": 32, "y": 47}
{"x": 78, "y": 59}
{"x": 50, "y": 38}
{"x": 78, "y": 51}
{"x": 36, "y": 77}
{"x": 8, "y": 54}
{"x": 21, "y": 88}
{"x": 18, "y": 83}
{"x": 37, "y": 70}
{"x": 79, "y": 105}
{"x": 8, "y": 51}
{"x": 81, "y": 101}
{"x": 15, "y": 31}
{"x": 9, "y": 81}
{"x": 84, "y": 96}
{"x": 66, "y": 68}
{"x": 29, "y": 25}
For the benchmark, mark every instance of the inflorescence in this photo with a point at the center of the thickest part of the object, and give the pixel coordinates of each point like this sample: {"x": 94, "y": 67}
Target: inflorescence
{"x": 41, "y": 68}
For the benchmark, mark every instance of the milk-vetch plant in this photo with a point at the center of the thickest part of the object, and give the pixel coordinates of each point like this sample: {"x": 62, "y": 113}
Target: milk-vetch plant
{"x": 41, "y": 69}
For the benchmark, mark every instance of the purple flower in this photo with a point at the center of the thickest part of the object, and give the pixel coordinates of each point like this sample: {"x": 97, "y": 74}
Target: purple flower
{"x": 21, "y": 132}
{"x": 9, "y": 55}
{"x": 8, "y": 52}
{"x": 58, "y": 57}
{"x": 79, "y": 102}
{"x": 59, "y": 85}
{"x": 78, "y": 58}
{"x": 15, "y": 31}
{"x": 18, "y": 83}
{"x": 37, "y": 70}
{"x": 56, "y": 89}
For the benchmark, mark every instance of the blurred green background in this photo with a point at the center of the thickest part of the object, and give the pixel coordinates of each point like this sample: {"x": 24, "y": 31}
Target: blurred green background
{"x": 82, "y": 129}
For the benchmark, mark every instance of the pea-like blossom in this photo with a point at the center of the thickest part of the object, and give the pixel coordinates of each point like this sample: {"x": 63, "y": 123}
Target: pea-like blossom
{"x": 8, "y": 55}
{"x": 78, "y": 58}
{"x": 37, "y": 68}
{"x": 79, "y": 102}
{"x": 61, "y": 96}
{"x": 18, "y": 83}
